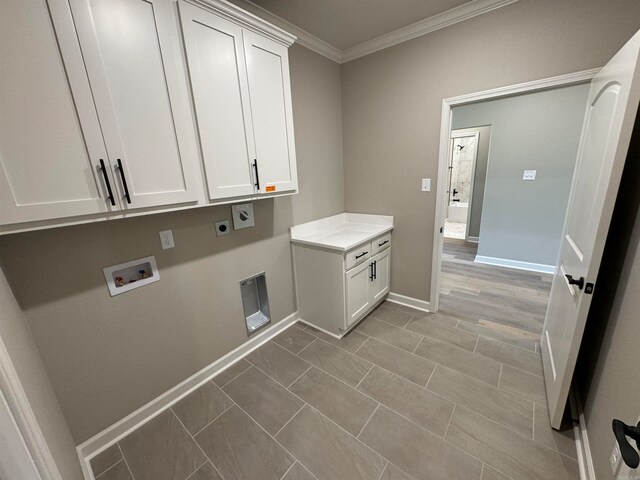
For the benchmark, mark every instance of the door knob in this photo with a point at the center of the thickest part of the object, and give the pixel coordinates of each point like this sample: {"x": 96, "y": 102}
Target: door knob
{"x": 578, "y": 283}
{"x": 621, "y": 431}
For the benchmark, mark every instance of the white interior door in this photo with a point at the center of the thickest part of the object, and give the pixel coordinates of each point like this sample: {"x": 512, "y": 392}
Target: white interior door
{"x": 130, "y": 50}
{"x": 271, "y": 112}
{"x": 611, "y": 112}
{"x": 219, "y": 80}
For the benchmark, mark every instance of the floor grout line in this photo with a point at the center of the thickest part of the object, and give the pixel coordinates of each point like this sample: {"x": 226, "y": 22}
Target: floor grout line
{"x": 450, "y": 420}
{"x": 197, "y": 469}
{"x": 125, "y": 461}
{"x": 292, "y": 416}
{"x": 368, "y": 420}
{"x": 290, "y": 467}
{"x": 299, "y": 377}
{"x": 365, "y": 375}
{"x": 217, "y": 417}
{"x": 112, "y": 466}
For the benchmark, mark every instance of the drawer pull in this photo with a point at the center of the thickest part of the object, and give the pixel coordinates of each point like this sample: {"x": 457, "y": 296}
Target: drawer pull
{"x": 375, "y": 269}
{"x": 106, "y": 181}
{"x": 124, "y": 182}
{"x": 371, "y": 271}
{"x": 383, "y": 243}
{"x": 361, "y": 255}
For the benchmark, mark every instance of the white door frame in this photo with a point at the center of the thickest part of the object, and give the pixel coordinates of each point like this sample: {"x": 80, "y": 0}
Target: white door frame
{"x": 566, "y": 80}
{"x": 475, "y": 135}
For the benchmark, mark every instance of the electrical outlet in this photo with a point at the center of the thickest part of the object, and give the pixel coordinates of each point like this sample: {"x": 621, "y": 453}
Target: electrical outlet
{"x": 166, "y": 239}
{"x": 426, "y": 184}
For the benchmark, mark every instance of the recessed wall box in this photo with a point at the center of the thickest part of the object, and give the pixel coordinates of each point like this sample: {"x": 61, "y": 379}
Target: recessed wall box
{"x": 242, "y": 215}
{"x": 129, "y": 275}
{"x": 255, "y": 302}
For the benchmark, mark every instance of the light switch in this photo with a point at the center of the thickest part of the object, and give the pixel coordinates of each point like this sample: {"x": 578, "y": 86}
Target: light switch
{"x": 426, "y": 184}
{"x": 529, "y": 175}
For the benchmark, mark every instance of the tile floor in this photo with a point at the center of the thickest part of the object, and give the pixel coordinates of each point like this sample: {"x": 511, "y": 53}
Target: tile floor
{"x": 406, "y": 395}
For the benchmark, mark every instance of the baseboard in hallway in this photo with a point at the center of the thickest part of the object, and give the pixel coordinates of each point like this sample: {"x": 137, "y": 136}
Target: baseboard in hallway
{"x": 505, "y": 262}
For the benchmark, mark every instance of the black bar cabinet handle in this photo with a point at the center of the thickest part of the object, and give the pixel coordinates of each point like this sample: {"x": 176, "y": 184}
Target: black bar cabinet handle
{"x": 375, "y": 269}
{"x": 255, "y": 165}
{"x": 371, "y": 271}
{"x": 383, "y": 243}
{"x": 361, "y": 255}
{"x": 106, "y": 181}
{"x": 124, "y": 182}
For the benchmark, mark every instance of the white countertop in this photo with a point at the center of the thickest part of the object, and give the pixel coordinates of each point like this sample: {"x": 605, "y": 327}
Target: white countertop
{"x": 341, "y": 232}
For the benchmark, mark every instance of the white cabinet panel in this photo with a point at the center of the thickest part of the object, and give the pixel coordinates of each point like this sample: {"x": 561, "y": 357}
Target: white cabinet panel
{"x": 218, "y": 79}
{"x": 128, "y": 47}
{"x": 382, "y": 270}
{"x": 270, "y": 93}
{"x": 358, "y": 294}
{"x": 49, "y": 168}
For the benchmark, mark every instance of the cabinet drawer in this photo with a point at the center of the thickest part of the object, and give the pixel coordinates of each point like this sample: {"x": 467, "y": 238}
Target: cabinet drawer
{"x": 357, "y": 255}
{"x": 380, "y": 243}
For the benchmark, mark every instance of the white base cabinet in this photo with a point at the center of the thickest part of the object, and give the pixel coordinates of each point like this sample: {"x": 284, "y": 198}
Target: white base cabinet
{"x": 336, "y": 286}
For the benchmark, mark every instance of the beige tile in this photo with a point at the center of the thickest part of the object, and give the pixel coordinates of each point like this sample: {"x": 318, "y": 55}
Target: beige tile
{"x": 443, "y": 328}
{"x": 391, "y": 315}
{"x": 408, "y": 399}
{"x": 351, "y": 342}
{"x": 241, "y": 450}
{"x": 388, "y": 333}
{"x": 201, "y": 407}
{"x": 161, "y": 450}
{"x": 347, "y": 407}
{"x": 413, "y": 368}
{"x": 294, "y": 339}
{"x": 560, "y": 441}
{"x": 508, "y": 452}
{"x": 514, "y": 412}
{"x": 116, "y": 472}
{"x": 265, "y": 400}
{"x": 106, "y": 459}
{"x": 489, "y": 473}
{"x": 232, "y": 372}
{"x": 326, "y": 450}
{"x": 481, "y": 368}
{"x": 523, "y": 384}
{"x": 336, "y": 361}
{"x": 394, "y": 473}
{"x": 511, "y": 355}
{"x": 416, "y": 451}
{"x": 206, "y": 472}
{"x": 280, "y": 364}
{"x": 298, "y": 472}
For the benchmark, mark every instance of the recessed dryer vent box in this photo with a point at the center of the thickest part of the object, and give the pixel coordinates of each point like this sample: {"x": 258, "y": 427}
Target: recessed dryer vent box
{"x": 255, "y": 301}
{"x": 129, "y": 275}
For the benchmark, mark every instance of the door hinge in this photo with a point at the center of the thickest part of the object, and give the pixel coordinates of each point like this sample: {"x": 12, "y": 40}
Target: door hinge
{"x": 588, "y": 288}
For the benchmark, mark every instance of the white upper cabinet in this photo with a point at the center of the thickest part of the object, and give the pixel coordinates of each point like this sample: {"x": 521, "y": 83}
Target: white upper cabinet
{"x": 142, "y": 102}
{"x": 270, "y": 94}
{"x": 242, "y": 93}
{"x": 216, "y": 65}
{"x": 50, "y": 140}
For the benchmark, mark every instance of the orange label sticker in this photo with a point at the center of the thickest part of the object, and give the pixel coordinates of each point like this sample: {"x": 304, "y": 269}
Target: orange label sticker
{"x": 270, "y": 188}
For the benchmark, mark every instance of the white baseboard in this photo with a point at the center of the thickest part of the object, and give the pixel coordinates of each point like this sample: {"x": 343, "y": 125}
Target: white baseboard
{"x": 473, "y": 239}
{"x": 583, "y": 450}
{"x": 109, "y": 436}
{"x": 409, "y": 301}
{"x": 505, "y": 262}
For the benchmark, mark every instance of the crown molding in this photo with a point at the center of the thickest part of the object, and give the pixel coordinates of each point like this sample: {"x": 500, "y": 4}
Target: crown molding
{"x": 428, "y": 25}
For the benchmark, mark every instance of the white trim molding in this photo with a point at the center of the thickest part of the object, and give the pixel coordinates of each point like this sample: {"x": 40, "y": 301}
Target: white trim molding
{"x": 583, "y": 449}
{"x": 408, "y": 301}
{"x": 445, "y": 135}
{"x": 436, "y": 22}
{"x": 517, "y": 264}
{"x": 109, "y": 436}
{"x": 414, "y": 30}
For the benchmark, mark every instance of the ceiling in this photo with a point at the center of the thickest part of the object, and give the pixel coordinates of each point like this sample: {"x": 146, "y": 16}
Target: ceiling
{"x": 346, "y": 23}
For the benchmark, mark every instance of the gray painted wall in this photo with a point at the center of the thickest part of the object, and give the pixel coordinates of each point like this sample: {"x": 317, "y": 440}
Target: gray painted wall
{"x": 523, "y": 220}
{"x": 107, "y": 356}
{"x": 479, "y": 176}
{"x": 392, "y": 102}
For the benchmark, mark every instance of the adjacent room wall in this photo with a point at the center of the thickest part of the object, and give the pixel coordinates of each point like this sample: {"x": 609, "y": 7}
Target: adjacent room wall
{"x": 18, "y": 342}
{"x": 522, "y": 220}
{"x": 108, "y": 356}
{"x": 479, "y": 176}
{"x": 392, "y": 102}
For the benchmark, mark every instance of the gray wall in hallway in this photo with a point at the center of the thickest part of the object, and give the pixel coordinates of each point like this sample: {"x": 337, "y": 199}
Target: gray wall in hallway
{"x": 479, "y": 175}
{"x": 523, "y": 220}
{"x": 107, "y": 356}
{"x": 392, "y": 102}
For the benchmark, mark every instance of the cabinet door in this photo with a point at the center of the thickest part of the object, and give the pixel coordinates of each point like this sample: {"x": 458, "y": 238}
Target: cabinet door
{"x": 50, "y": 141}
{"x": 130, "y": 49}
{"x": 358, "y": 292}
{"x": 270, "y": 93}
{"x": 382, "y": 271}
{"x": 219, "y": 81}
